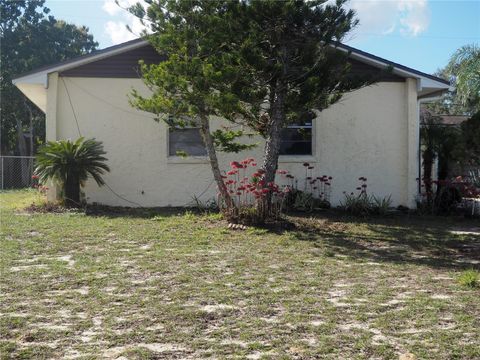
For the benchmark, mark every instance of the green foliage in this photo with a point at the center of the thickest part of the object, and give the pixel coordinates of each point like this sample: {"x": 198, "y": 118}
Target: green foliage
{"x": 231, "y": 71}
{"x": 439, "y": 140}
{"x": 57, "y": 160}
{"x": 200, "y": 76}
{"x": 471, "y": 139}
{"x": 355, "y": 204}
{"x": 463, "y": 72}
{"x": 469, "y": 278}
{"x": 381, "y": 205}
{"x": 363, "y": 204}
{"x": 260, "y": 63}
{"x": 70, "y": 163}
{"x": 464, "y": 66}
{"x": 303, "y": 201}
{"x": 30, "y": 38}
{"x": 224, "y": 140}
{"x": 288, "y": 49}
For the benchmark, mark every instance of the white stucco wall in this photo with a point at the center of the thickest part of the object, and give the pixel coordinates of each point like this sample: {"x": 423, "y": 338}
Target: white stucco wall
{"x": 366, "y": 134}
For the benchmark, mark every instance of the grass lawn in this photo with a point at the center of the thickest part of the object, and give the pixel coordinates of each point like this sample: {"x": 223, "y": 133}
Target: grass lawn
{"x": 168, "y": 285}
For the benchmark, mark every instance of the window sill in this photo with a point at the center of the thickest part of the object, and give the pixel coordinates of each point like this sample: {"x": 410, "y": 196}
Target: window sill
{"x": 297, "y": 159}
{"x": 187, "y": 160}
{"x": 204, "y": 160}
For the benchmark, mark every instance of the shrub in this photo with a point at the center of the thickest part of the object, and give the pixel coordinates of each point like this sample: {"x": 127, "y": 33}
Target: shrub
{"x": 381, "y": 205}
{"x": 70, "y": 163}
{"x": 444, "y": 196}
{"x": 360, "y": 203}
{"x": 357, "y": 204}
{"x": 315, "y": 193}
{"x": 250, "y": 194}
{"x": 469, "y": 278}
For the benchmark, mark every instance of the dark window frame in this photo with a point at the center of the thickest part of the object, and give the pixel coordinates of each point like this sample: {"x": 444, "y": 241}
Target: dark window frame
{"x": 173, "y": 148}
{"x": 297, "y": 147}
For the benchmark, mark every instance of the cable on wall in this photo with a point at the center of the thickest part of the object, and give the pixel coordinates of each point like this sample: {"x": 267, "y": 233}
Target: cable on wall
{"x": 71, "y": 105}
{"x": 80, "y": 134}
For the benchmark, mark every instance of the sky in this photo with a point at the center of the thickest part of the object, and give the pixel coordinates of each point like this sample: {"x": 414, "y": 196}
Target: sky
{"x": 421, "y": 34}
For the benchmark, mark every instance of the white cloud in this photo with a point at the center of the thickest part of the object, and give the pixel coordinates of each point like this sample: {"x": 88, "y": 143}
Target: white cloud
{"x": 409, "y": 17}
{"x": 377, "y": 17}
{"x": 416, "y": 16}
{"x": 116, "y": 28}
{"x": 111, "y": 7}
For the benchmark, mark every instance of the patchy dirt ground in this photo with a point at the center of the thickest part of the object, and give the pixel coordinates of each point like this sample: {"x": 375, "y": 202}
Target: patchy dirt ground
{"x": 145, "y": 285}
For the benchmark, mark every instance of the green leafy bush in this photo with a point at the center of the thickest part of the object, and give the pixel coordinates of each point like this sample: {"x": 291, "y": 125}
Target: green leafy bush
{"x": 363, "y": 204}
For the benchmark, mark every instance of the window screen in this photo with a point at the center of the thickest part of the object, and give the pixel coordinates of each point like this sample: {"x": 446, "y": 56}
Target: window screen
{"x": 186, "y": 140}
{"x": 296, "y": 139}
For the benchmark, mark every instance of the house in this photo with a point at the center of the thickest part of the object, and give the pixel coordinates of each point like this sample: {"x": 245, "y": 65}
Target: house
{"x": 372, "y": 132}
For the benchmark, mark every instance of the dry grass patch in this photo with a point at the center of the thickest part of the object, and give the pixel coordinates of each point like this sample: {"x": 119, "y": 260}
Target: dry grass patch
{"x": 150, "y": 285}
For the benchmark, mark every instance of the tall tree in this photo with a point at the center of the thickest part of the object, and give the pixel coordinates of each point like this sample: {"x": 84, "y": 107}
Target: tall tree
{"x": 264, "y": 63}
{"x": 30, "y": 38}
{"x": 202, "y": 75}
{"x": 290, "y": 46}
{"x": 464, "y": 67}
{"x": 471, "y": 140}
{"x": 463, "y": 72}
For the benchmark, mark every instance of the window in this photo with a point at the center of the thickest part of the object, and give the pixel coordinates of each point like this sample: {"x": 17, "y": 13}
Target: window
{"x": 296, "y": 139}
{"x": 187, "y": 141}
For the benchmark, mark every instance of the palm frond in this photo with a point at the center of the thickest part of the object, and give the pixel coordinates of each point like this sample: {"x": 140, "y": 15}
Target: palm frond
{"x": 57, "y": 160}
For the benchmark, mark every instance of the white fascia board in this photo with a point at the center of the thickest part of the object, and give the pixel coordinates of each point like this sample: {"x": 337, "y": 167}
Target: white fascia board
{"x": 36, "y": 78}
{"x": 41, "y": 77}
{"x": 430, "y": 83}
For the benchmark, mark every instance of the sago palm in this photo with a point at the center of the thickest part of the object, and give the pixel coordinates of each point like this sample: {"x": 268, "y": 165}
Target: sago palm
{"x": 71, "y": 163}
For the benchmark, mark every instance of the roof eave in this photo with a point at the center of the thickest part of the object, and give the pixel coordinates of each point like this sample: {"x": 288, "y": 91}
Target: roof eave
{"x": 426, "y": 83}
{"x": 41, "y": 76}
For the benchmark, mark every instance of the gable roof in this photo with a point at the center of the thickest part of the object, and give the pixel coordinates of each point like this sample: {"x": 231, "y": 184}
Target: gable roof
{"x": 356, "y": 53}
{"x": 428, "y": 85}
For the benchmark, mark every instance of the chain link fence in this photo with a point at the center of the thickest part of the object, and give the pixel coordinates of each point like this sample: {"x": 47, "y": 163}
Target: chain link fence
{"x": 16, "y": 172}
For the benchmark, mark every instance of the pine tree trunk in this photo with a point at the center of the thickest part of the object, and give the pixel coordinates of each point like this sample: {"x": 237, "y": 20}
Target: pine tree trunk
{"x": 212, "y": 156}
{"x": 72, "y": 191}
{"x": 273, "y": 141}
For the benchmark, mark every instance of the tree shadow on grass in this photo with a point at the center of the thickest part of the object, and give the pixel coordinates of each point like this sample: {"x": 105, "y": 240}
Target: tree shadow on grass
{"x": 400, "y": 239}
{"x": 140, "y": 213}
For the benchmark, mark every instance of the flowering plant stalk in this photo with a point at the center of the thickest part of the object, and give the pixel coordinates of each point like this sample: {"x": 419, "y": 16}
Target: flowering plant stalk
{"x": 250, "y": 192}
